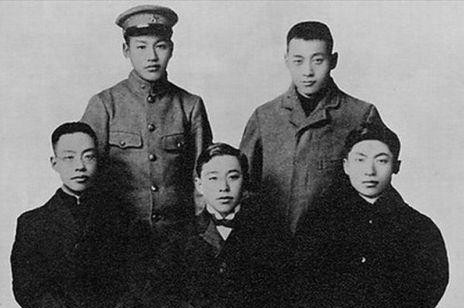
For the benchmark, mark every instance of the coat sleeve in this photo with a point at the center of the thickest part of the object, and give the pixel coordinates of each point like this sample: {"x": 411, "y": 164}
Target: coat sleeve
{"x": 200, "y": 129}
{"x": 425, "y": 281}
{"x": 97, "y": 116}
{"x": 31, "y": 286}
{"x": 251, "y": 146}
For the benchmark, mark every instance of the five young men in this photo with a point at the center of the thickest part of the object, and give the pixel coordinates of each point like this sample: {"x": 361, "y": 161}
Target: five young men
{"x": 282, "y": 224}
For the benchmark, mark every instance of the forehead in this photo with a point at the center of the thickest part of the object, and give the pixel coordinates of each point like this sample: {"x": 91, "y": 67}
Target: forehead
{"x": 76, "y": 142}
{"x": 223, "y": 163}
{"x": 298, "y": 46}
{"x": 370, "y": 148}
{"x": 148, "y": 38}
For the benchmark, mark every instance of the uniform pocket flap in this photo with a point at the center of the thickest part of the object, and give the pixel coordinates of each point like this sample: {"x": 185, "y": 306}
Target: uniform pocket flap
{"x": 125, "y": 140}
{"x": 175, "y": 142}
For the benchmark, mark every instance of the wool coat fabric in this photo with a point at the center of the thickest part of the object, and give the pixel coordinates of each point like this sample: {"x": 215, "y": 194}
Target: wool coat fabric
{"x": 356, "y": 254}
{"x": 293, "y": 158}
{"x": 150, "y": 135}
{"x": 68, "y": 257}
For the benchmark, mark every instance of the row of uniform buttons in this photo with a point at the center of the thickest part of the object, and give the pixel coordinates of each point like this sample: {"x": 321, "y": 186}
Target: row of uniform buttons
{"x": 152, "y": 157}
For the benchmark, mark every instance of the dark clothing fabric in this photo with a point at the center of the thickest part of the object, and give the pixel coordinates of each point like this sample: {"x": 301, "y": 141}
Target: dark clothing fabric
{"x": 150, "y": 135}
{"x": 67, "y": 257}
{"x": 294, "y": 157}
{"x": 355, "y": 254}
{"x": 242, "y": 271}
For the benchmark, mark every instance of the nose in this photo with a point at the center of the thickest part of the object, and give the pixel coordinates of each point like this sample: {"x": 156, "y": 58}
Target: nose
{"x": 370, "y": 169}
{"x": 224, "y": 186}
{"x": 153, "y": 56}
{"x": 308, "y": 70}
{"x": 80, "y": 165}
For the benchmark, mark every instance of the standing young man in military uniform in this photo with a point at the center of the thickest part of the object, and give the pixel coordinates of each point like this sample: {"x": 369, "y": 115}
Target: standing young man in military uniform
{"x": 150, "y": 131}
{"x": 294, "y": 142}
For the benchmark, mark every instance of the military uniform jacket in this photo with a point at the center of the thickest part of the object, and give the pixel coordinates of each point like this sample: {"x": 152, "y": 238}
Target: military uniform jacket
{"x": 58, "y": 262}
{"x": 357, "y": 254}
{"x": 150, "y": 136}
{"x": 293, "y": 157}
{"x": 241, "y": 271}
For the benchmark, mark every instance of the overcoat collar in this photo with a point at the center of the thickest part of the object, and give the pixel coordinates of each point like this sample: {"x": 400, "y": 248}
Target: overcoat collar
{"x": 296, "y": 114}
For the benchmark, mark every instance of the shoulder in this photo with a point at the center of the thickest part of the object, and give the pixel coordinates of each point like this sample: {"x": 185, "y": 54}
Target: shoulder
{"x": 106, "y": 95}
{"x": 352, "y": 103}
{"x": 37, "y": 217}
{"x": 271, "y": 106}
{"x": 186, "y": 96}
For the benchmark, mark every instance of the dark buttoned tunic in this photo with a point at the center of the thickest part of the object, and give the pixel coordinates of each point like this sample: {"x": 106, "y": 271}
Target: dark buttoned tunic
{"x": 356, "y": 254}
{"x": 293, "y": 158}
{"x": 150, "y": 136}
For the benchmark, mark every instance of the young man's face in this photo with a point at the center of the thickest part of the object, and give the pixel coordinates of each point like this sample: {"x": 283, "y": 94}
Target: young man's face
{"x": 309, "y": 63}
{"x": 221, "y": 182}
{"x": 370, "y": 165}
{"x": 149, "y": 55}
{"x": 75, "y": 161}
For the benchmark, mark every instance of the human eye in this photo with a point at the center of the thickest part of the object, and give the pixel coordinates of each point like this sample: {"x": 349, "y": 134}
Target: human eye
{"x": 318, "y": 60}
{"x": 68, "y": 158}
{"x": 212, "y": 178}
{"x": 297, "y": 61}
{"x": 90, "y": 157}
{"x": 383, "y": 161}
{"x": 359, "y": 159}
{"x": 235, "y": 176}
{"x": 140, "y": 46}
{"x": 162, "y": 46}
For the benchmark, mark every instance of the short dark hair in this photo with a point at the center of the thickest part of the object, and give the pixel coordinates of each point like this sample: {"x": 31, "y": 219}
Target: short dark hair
{"x": 158, "y": 30}
{"x": 71, "y": 128}
{"x": 311, "y": 30}
{"x": 371, "y": 131}
{"x": 222, "y": 149}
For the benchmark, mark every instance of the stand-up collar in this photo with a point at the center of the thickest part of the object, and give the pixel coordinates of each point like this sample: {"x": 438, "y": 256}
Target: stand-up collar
{"x": 297, "y": 115}
{"x": 141, "y": 86}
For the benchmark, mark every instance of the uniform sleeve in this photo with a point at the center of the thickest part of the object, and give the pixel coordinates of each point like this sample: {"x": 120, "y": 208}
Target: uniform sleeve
{"x": 251, "y": 146}
{"x": 200, "y": 129}
{"x": 31, "y": 287}
{"x": 97, "y": 116}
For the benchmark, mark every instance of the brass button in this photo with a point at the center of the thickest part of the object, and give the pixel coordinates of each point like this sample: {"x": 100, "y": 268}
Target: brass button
{"x": 179, "y": 144}
{"x": 370, "y": 221}
{"x": 152, "y": 157}
{"x": 363, "y": 260}
{"x": 143, "y": 86}
{"x": 151, "y": 127}
{"x": 154, "y": 188}
{"x": 122, "y": 143}
{"x": 150, "y": 99}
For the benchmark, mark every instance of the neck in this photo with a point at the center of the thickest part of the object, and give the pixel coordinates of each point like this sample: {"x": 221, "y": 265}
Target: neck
{"x": 370, "y": 200}
{"x": 71, "y": 192}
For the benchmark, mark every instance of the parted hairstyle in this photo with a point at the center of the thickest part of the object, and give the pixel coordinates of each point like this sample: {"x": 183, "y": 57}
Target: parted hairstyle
{"x": 222, "y": 149}
{"x": 371, "y": 131}
{"x": 71, "y": 128}
{"x": 311, "y": 30}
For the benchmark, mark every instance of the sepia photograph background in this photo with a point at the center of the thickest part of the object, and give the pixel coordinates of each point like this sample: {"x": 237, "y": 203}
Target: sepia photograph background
{"x": 406, "y": 57}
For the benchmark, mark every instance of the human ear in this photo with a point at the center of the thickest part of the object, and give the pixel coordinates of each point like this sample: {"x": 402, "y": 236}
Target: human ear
{"x": 333, "y": 60}
{"x": 125, "y": 50}
{"x": 345, "y": 166}
{"x": 53, "y": 162}
{"x": 198, "y": 185}
{"x": 396, "y": 167}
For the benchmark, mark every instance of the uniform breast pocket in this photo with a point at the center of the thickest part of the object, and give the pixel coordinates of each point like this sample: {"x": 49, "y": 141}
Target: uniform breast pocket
{"x": 173, "y": 143}
{"x": 125, "y": 140}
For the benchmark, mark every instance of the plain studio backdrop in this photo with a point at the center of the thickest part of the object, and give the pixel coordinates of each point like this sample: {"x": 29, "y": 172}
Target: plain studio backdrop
{"x": 405, "y": 57}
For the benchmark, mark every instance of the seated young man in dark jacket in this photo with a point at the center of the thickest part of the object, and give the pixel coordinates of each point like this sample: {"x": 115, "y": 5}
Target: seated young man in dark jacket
{"x": 231, "y": 260}
{"x": 68, "y": 253}
{"x": 363, "y": 246}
